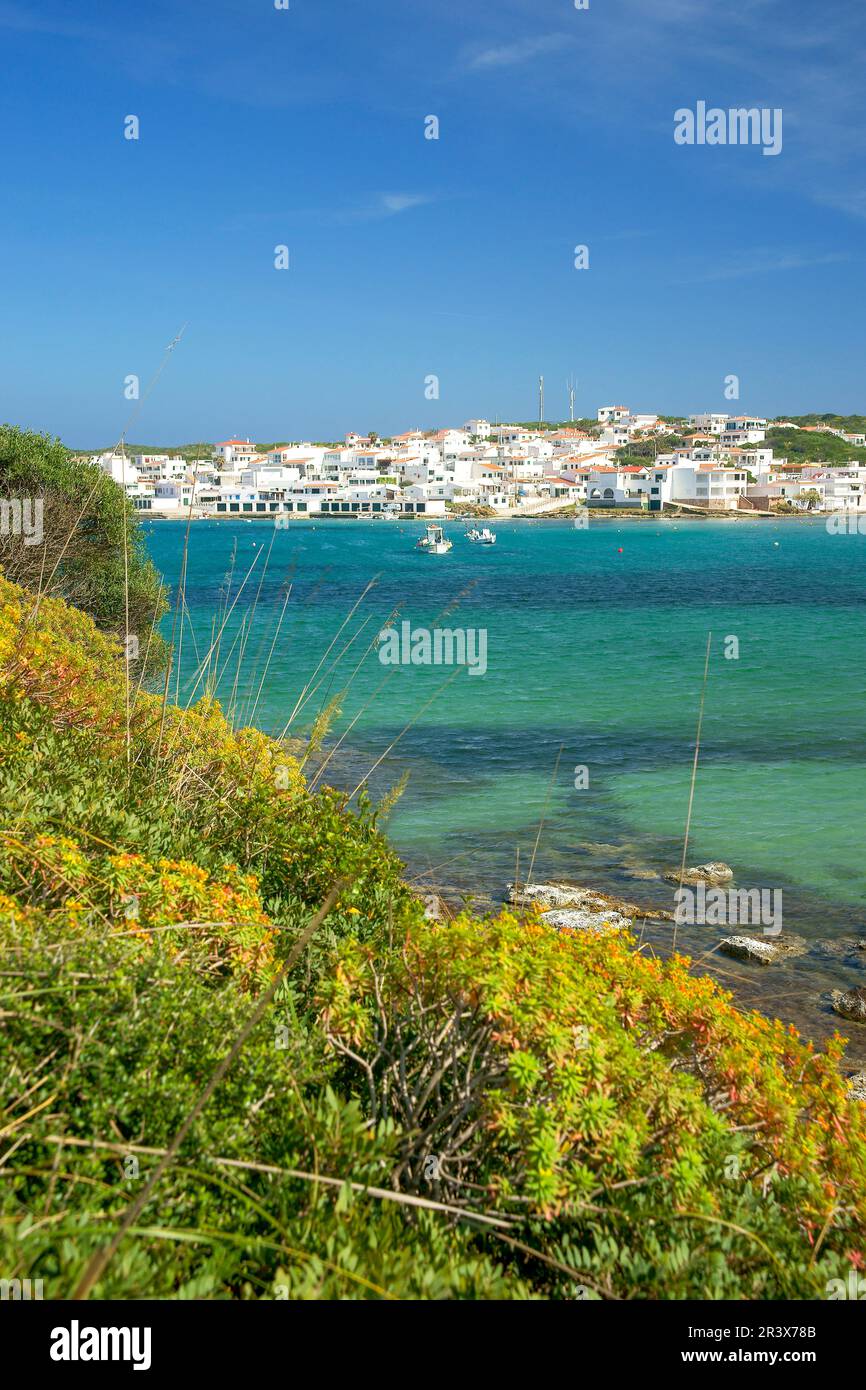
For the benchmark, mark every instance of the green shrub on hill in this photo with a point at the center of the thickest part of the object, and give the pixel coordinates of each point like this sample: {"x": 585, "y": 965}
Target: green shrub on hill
{"x": 851, "y": 424}
{"x": 85, "y": 519}
{"x": 801, "y": 446}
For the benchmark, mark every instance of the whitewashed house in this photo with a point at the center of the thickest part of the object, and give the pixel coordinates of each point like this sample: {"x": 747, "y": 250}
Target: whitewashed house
{"x": 232, "y": 452}
{"x": 700, "y": 484}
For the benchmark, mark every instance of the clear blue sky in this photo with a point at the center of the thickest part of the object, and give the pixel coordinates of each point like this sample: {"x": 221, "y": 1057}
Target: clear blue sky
{"x": 410, "y": 256}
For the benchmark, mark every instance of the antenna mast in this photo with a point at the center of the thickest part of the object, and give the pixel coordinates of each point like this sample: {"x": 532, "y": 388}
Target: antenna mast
{"x": 541, "y": 400}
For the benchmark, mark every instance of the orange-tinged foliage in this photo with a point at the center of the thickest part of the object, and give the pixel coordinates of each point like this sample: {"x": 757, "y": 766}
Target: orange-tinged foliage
{"x": 621, "y": 1067}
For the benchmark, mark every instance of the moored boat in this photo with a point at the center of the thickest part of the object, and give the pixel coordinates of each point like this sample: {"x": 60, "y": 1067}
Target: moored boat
{"x": 434, "y": 541}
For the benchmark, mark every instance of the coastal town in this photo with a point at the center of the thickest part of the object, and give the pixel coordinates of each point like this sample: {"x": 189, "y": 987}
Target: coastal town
{"x": 710, "y": 462}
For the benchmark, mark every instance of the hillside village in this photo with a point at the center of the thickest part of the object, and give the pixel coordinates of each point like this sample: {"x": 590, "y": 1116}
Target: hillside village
{"x": 713, "y": 462}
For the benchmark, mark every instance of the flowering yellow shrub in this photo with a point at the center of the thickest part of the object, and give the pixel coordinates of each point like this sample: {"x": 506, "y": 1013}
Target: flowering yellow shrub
{"x": 570, "y": 1075}
{"x": 53, "y": 656}
{"x": 215, "y": 921}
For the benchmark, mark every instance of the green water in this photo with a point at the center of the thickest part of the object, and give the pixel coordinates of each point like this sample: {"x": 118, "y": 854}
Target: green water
{"x": 596, "y": 644}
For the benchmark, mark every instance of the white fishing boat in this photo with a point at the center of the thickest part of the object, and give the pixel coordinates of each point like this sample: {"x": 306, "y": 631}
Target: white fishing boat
{"x": 434, "y": 541}
{"x": 483, "y": 537}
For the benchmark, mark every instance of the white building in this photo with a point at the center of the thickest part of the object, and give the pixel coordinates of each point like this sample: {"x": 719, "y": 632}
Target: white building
{"x": 172, "y": 495}
{"x": 700, "y": 483}
{"x": 480, "y": 429}
{"x": 643, "y": 422}
{"x": 510, "y": 434}
{"x": 234, "y": 451}
{"x": 709, "y": 423}
{"x": 160, "y": 465}
{"x": 615, "y": 436}
{"x": 744, "y": 429}
{"x": 120, "y": 467}
{"x": 843, "y": 489}
{"x": 628, "y": 486}
{"x": 796, "y": 491}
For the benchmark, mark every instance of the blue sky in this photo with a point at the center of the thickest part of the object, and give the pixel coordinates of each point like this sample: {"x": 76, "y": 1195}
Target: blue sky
{"x": 411, "y": 257}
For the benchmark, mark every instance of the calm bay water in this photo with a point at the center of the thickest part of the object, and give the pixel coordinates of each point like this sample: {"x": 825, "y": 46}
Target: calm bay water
{"x": 595, "y": 655}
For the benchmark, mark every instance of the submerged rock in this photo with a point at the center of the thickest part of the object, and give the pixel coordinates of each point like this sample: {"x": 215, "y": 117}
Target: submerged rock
{"x": 764, "y": 950}
{"x": 639, "y": 871}
{"x": 857, "y": 1086}
{"x": 839, "y": 947}
{"x": 568, "y": 895}
{"x": 713, "y": 874}
{"x": 850, "y": 1003}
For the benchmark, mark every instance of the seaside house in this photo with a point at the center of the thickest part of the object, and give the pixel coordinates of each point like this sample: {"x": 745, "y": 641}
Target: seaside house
{"x": 232, "y": 452}
{"x": 708, "y": 485}
{"x": 843, "y": 489}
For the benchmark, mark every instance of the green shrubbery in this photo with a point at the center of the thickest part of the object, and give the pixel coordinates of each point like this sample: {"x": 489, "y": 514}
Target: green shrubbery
{"x": 801, "y": 446}
{"x": 550, "y": 1111}
{"x": 86, "y": 519}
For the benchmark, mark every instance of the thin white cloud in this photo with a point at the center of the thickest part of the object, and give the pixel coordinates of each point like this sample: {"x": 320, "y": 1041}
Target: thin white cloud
{"x": 508, "y": 55}
{"x": 392, "y": 203}
{"x": 379, "y": 206}
{"x": 852, "y": 201}
{"x": 14, "y": 17}
{"x": 765, "y": 262}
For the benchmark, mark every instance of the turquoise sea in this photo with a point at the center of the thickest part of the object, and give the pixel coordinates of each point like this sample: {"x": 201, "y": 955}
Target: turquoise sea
{"x": 596, "y": 643}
